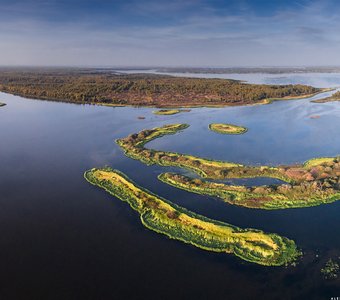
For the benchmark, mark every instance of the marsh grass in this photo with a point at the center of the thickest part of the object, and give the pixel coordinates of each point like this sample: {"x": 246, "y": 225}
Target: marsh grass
{"x": 162, "y": 216}
{"x": 227, "y": 128}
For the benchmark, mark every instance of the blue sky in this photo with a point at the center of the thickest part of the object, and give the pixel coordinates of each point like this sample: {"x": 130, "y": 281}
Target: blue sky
{"x": 170, "y": 33}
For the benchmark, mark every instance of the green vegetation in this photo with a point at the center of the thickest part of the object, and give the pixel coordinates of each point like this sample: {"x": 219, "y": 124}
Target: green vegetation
{"x": 333, "y": 98}
{"x": 2, "y": 104}
{"x": 178, "y": 223}
{"x": 227, "y": 128}
{"x": 166, "y": 112}
{"x": 133, "y": 147}
{"x": 313, "y": 183}
{"x": 314, "y": 162}
{"x": 331, "y": 270}
{"x": 103, "y": 87}
{"x": 283, "y": 196}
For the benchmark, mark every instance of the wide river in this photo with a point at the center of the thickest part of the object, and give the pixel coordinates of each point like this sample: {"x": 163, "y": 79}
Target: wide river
{"x": 62, "y": 238}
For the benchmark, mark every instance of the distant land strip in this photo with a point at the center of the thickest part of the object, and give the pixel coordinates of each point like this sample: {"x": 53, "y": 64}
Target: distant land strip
{"x": 112, "y": 89}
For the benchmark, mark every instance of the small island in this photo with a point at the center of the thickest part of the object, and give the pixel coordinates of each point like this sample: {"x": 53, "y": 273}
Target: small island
{"x": 164, "y": 217}
{"x": 166, "y": 112}
{"x": 227, "y": 128}
{"x": 330, "y": 270}
{"x": 2, "y": 104}
{"x": 313, "y": 183}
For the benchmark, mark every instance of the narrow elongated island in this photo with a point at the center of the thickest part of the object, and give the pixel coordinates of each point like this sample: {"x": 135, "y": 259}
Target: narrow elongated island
{"x": 333, "y": 98}
{"x": 264, "y": 197}
{"x": 2, "y": 104}
{"x": 313, "y": 183}
{"x": 164, "y": 217}
{"x": 133, "y": 147}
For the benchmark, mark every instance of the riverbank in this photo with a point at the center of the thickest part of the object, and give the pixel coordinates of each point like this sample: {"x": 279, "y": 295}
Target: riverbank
{"x": 147, "y": 90}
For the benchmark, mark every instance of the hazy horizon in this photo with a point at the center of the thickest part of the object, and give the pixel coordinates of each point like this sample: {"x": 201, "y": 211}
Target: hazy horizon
{"x": 150, "y": 67}
{"x": 191, "y": 33}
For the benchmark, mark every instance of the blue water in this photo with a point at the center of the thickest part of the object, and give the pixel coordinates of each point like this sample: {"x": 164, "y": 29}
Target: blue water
{"x": 62, "y": 238}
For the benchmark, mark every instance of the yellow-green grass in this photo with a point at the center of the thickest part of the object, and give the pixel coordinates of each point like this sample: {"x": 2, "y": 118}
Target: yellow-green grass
{"x": 318, "y": 161}
{"x": 313, "y": 183}
{"x": 164, "y": 217}
{"x": 284, "y": 196}
{"x": 166, "y": 112}
{"x": 227, "y": 128}
{"x": 133, "y": 147}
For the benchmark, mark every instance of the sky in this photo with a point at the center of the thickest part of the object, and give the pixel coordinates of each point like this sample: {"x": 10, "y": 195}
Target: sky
{"x": 178, "y": 33}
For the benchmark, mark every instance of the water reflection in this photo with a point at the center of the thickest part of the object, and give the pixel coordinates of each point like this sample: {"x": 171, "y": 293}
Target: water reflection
{"x": 53, "y": 220}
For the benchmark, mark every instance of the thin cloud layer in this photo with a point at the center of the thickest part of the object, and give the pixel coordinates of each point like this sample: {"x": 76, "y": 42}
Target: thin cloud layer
{"x": 169, "y": 33}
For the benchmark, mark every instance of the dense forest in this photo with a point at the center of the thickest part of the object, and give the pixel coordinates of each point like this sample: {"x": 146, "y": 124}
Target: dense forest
{"x": 86, "y": 86}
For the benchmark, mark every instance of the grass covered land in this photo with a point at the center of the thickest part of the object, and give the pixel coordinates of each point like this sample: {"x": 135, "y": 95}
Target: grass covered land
{"x": 166, "y": 112}
{"x": 333, "y": 98}
{"x": 283, "y": 196}
{"x": 315, "y": 162}
{"x": 227, "y": 128}
{"x": 133, "y": 147}
{"x": 313, "y": 183}
{"x": 106, "y": 87}
{"x": 178, "y": 223}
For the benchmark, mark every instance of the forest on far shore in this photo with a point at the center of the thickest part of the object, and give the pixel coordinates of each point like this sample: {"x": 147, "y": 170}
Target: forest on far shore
{"x": 79, "y": 86}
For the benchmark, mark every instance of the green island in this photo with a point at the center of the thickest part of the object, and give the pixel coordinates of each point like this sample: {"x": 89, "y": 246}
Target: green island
{"x": 2, "y": 104}
{"x": 227, "y": 128}
{"x": 103, "y": 87}
{"x": 164, "y": 217}
{"x": 313, "y": 183}
{"x": 333, "y": 98}
{"x": 133, "y": 147}
{"x": 282, "y": 196}
{"x": 166, "y": 112}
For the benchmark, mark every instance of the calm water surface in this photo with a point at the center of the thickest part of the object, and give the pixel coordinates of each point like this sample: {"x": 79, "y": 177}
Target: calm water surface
{"x": 62, "y": 238}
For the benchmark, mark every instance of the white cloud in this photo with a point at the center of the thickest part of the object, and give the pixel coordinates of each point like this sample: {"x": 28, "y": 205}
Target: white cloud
{"x": 307, "y": 36}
